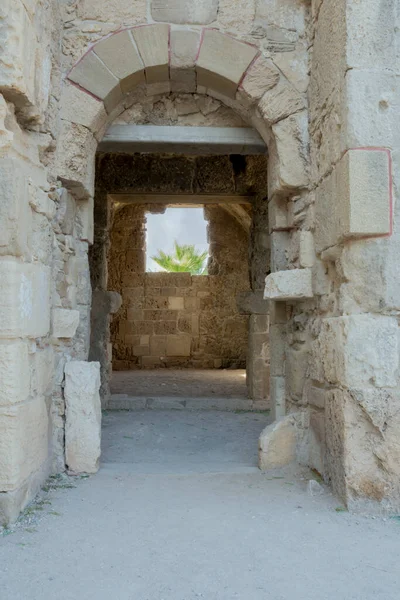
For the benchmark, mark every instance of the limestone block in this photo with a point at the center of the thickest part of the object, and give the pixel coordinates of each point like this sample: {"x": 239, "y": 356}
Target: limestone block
{"x": 119, "y": 53}
{"x": 91, "y": 74}
{"x": 183, "y": 12}
{"x": 355, "y": 199}
{"x": 25, "y": 299}
{"x": 13, "y": 502}
{"x": 15, "y": 212}
{"x": 252, "y": 303}
{"x": 327, "y": 231}
{"x": 371, "y": 35}
{"x": 236, "y": 15}
{"x": 278, "y": 396}
{"x": 178, "y": 345}
{"x": 14, "y": 372}
{"x": 258, "y": 380}
{"x": 82, "y": 416}
{"x": 44, "y": 371}
{"x": 277, "y": 444}
{"x": 356, "y": 351}
{"x": 6, "y": 136}
{"x": 23, "y": 441}
{"x": 76, "y": 148}
{"x": 176, "y": 303}
{"x": 295, "y": 65}
{"x": 17, "y": 54}
{"x": 279, "y": 250}
{"x": 184, "y": 48}
{"x": 64, "y": 322}
{"x": 317, "y": 396}
{"x": 282, "y": 13}
{"x": 85, "y": 219}
{"x": 277, "y": 312}
{"x": 364, "y": 188}
{"x": 306, "y": 249}
{"x": 296, "y": 371}
{"x": 84, "y": 109}
{"x": 260, "y": 77}
{"x": 66, "y": 209}
{"x": 277, "y": 341}
{"x": 277, "y": 215}
{"x": 279, "y": 102}
{"x": 222, "y": 62}
{"x": 41, "y": 239}
{"x": 366, "y": 88}
{"x": 113, "y": 11}
{"x": 292, "y": 160}
{"x": 153, "y": 44}
{"x": 295, "y": 284}
{"x": 41, "y": 202}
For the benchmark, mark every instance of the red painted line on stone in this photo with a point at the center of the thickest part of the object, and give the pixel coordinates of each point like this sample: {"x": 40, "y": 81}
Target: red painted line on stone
{"x": 200, "y": 45}
{"x": 84, "y": 90}
{"x": 257, "y": 56}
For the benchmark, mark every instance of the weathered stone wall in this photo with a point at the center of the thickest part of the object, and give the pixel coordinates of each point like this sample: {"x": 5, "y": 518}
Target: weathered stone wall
{"x": 44, "y": 271}
{"x": 47, "y": 144}
{"x": 175, "y": 319}
{"x": 349, "y": 338}
{"x": 333, "y": 221}
{"x": 277, "y": 27}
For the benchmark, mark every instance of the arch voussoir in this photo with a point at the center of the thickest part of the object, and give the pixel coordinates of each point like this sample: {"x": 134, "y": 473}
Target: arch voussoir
{"x": 207, "y": 61}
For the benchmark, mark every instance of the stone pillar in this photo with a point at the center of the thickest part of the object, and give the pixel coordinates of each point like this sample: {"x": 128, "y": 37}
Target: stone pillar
{"x": 355, "y": 354}
{"x": 82, "y": 416}
{"x": 253, "y": 304}
{"x": 104, "y": 304}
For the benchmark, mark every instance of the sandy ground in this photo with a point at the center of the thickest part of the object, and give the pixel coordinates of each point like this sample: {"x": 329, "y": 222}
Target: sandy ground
{"x": 181, "y": 383}
{"x": 177, "y": 512}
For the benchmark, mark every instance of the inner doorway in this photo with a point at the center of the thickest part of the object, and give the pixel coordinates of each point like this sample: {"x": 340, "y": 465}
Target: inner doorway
{"x": 182, "y": 330}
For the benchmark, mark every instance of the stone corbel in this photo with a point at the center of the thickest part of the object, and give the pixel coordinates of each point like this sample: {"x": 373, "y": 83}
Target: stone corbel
{"x": 294, "y": 284}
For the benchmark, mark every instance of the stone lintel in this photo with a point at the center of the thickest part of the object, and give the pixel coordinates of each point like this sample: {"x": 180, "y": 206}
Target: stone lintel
{"x": 180, "y": 139}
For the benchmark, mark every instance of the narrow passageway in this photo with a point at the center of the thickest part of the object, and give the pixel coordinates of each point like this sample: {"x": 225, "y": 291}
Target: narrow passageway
{"x": 193, "y": 383}
{"x": 179, "y": 511}
{"x": 181, "y": 441}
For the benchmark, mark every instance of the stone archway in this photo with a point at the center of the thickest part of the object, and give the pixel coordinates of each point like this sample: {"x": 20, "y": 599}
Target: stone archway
{"x": 103, "y": 82}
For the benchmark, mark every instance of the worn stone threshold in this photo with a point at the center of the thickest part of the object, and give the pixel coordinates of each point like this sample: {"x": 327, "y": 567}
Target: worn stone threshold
{"x": 125, "y": 402}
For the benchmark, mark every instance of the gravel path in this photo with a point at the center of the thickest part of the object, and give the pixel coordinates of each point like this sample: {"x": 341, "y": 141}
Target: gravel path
{"x": 179, "y": 513}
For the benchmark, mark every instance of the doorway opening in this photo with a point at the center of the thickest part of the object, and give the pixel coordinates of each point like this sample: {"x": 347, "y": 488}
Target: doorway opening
{"x": 180, "y": 334}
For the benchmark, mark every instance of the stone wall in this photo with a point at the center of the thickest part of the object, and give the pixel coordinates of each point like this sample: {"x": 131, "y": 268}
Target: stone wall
{"x": 175, "y": 319}
{"x": 332, "y": 215}
{"x": 44, "y": 270}
{"x": 341, "y": 354}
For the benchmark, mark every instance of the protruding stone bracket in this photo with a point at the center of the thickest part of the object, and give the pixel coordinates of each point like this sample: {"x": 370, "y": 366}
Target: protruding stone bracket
{"x": 252, "y": 303}
{"x": 291, "y": 285}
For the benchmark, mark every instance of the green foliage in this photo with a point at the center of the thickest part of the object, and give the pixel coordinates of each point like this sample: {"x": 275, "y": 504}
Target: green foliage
{"x": 186, "y": 258}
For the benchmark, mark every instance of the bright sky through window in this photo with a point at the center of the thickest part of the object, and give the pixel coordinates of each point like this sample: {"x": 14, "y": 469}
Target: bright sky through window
{"x": 185, "y": 225}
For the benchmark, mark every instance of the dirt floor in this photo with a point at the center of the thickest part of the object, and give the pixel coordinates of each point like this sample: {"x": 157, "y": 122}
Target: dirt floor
{"x": 181, "y": 383}
{"x": 178, "y": 511}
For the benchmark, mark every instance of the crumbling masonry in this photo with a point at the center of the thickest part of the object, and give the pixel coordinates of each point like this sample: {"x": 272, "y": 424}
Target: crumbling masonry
{"x": 318, "y": 80}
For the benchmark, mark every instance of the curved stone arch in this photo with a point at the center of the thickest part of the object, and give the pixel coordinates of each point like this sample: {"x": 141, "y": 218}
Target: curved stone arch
{"x": 207, "y": 62}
